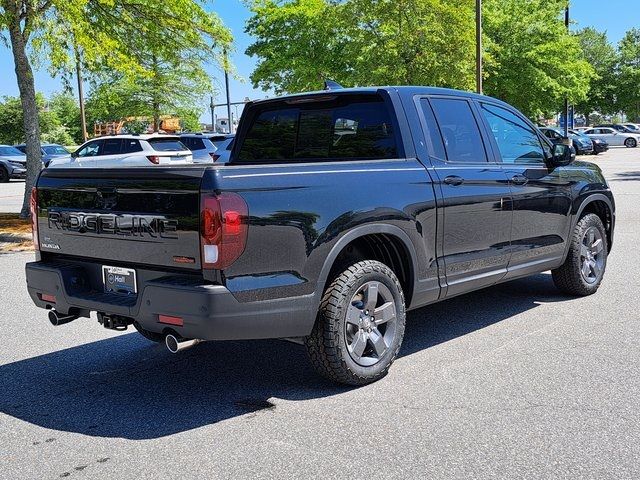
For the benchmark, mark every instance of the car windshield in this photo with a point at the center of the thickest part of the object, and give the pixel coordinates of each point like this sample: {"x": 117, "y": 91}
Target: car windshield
{"x": 55, "y": 150}
{"x": 11, "y": 152}
{"x": 167, "y": 145}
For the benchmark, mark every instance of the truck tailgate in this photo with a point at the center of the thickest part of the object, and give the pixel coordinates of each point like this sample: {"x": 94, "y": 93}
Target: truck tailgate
{"x": 146, "y": 216}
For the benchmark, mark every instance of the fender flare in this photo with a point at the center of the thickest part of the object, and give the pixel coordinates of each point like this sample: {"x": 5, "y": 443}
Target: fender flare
{"x": 361, "y": 231}
{"x": 587, "y": 200}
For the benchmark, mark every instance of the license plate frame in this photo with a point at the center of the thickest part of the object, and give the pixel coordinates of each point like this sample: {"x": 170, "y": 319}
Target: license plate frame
{"x": 119, "y": 280}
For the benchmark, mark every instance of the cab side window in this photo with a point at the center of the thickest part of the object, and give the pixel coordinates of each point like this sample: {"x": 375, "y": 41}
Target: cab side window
{"x": 90, "y": 149}
{"x": 517, "y": 142}
{"x": 462, "y": 139}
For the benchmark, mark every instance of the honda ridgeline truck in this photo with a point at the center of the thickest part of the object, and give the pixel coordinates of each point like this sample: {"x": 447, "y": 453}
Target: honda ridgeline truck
{"x": 337, "y": 213}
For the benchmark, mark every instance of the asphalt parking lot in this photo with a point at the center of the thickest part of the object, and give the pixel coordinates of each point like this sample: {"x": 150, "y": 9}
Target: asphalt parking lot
{"x": 514, "y": 381}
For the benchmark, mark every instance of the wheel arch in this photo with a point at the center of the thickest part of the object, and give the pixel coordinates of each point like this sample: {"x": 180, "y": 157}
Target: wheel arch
{"x": 600, "y": 205}
{"x": 383, "y": 242}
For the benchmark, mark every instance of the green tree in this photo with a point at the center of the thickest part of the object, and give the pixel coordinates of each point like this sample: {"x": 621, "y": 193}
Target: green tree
{"x": 602, "y": 56}
{"x": 103, "y": 35}
{"x": 532, "y": 62}
{"x": 629, "y": 70}
{"x": 361, "y": 42}
{"x": 12, "y": 121}
{"x": 66, "y": 109}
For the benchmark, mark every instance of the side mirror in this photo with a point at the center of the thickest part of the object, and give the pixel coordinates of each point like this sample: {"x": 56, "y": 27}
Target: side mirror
{"x": 562, "y": 155}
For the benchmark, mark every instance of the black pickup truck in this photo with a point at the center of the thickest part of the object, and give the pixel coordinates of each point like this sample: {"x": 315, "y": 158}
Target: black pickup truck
{"x": 338, "y": 211}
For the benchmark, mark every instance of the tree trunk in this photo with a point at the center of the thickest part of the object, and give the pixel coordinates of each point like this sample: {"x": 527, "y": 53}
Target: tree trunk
{"x": 27, "y": 88}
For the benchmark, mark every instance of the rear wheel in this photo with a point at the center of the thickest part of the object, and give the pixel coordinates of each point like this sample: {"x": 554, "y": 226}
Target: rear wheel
{"x": 153, "y": 336}
{"x": 4, "y": 175}
{"x": 582, "y": 271}
{"x": 360, "y": 325}
{"x": 630, "y": 142}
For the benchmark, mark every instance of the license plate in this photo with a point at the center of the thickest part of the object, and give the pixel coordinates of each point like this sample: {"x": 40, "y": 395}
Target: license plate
{"x": 119, "y": 280}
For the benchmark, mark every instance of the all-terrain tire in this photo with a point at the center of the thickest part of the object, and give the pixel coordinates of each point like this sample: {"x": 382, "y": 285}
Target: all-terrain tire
{"x": 327, "y": 345}
{"x": 568, "y": 278}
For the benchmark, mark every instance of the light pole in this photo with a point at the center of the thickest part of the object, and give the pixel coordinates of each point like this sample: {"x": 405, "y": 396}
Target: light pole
{"x": 479, "y": 46}
{"x": 226, "y": 84}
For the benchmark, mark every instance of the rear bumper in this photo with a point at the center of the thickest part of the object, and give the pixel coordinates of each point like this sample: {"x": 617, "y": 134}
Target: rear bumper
{"x": 209, "y": 312}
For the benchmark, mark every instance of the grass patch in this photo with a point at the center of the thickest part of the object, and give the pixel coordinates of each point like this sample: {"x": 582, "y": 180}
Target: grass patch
{"x": 15, "y": 233}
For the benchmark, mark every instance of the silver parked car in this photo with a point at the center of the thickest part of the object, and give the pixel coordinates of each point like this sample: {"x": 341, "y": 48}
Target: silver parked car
{"x": 613, "y": 137}
{"x": 13, "y": 163}
{"x": 202, "y": 148}
{"x": 49, "y": 151}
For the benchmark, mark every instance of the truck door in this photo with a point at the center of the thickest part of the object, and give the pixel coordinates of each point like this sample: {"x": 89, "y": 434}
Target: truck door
{"x": 541, "y": 194}
{"x": 474, "y": 203}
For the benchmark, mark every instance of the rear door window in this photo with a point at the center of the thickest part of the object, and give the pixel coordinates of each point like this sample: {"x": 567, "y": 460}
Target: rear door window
{"x": 340, "y": 128}
{"x": 167, "y": 145}
{"x": 462, "y": 139}
{"x": 111, "y": 146}
{"x": 131, "y": 146}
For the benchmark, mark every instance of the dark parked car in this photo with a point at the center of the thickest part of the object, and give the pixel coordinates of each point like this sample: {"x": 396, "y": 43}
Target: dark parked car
{"x": 581, "y": 143}
{"x": 49, "y": 152}
{"x": 599, "y": 146}
{"x": 337, "y": 212}
{"x": 13, "y": 163}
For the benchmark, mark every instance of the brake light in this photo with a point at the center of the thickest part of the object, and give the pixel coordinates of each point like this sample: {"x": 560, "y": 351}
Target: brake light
{"x": 215, "y": 156}
{"x": 223, "y": 229}
{"x": 155, "y": 159}
{"x": 33, "y": 207}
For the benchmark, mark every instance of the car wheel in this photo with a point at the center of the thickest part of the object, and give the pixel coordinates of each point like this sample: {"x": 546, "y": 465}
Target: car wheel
{"x": 630, "y": 142}
{"x": 360, "y": 325}
{"x": 153, "y": 336}
{"x": 4, "y": 175}
{"x": 582, "y": 271}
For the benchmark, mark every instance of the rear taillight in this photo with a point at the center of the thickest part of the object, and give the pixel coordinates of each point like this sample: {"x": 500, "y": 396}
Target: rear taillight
{"x": 155, "y": 159}
{"x": 223, "y": 229}
{"x": 215, "y": 156}
{"x": 33, "y": 207}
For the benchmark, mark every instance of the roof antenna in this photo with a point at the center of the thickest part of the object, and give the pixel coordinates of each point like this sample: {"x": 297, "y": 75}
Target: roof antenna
{"x": 331, "y": 85}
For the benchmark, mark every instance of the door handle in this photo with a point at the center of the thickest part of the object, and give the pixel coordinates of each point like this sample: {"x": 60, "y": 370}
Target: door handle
{"x": 519, "y": 179}
{"x": 453, "y": 180}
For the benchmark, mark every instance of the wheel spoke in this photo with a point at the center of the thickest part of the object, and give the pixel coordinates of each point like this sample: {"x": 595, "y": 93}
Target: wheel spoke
{"x": 371, "y": 296}
{"x": 384, "y": 313}
{"x": 597, "y": 246}
{"x": 378, "y": 342}
{"x": 353, "y": 315}
{"x": 586, "y": 269}
{"x": 584, "y": 251}
{"x": 590, "y": 237}
{"x": 359, "y": 344}
{"x": 596, "y": 268}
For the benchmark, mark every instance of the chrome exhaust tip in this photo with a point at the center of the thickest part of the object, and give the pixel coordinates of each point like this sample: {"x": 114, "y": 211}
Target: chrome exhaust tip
{"x": 56, "y": 318}
{"x": 176, "y": 344}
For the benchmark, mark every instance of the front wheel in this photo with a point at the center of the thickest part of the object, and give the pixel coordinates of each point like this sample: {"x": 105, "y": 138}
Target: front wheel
{"x": 582, "y": 271}
{"x": 630, "y": 142}
{"x": 360, "y": 325}
{"x": 4, "y": 175}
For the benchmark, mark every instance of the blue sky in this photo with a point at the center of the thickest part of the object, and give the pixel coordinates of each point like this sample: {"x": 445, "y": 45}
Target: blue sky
{"x": 613, "y": 16}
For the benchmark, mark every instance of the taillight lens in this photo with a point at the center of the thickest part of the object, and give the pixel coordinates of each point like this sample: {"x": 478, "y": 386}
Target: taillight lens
{"x": 155, "y": 159}
{"x": 215, "y": 157}
{"x": 223, "y": 229}
{"x": 33, "y": 207}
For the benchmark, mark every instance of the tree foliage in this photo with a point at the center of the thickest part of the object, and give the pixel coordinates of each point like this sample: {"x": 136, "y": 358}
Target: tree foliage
{"x": 361, "y": 42}
{"x": 629, "y": 71}
{"x": 532, "y": 61}
{"x": 602, "y": 56}
{"x": 53, "y": 129}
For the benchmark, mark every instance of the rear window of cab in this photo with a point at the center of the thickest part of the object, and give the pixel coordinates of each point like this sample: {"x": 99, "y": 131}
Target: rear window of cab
{"x": 334, "y": 127}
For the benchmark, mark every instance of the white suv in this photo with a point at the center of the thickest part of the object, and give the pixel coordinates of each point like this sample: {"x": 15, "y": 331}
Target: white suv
{"x": 127, "y": 151}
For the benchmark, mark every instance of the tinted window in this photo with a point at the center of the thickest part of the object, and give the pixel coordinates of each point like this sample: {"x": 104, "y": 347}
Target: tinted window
{"x": 167, "y": 145}
{"x": 131, "y": 146}
{"x": 22, "y": 148}
{"x": 193, "y": 143}
{"x": 340, "y": 128}
{"x": 432, "y": 128}
{"x": 90, "y": 149}
{"x": 111, "y": 146}
{"x": 55, "y": 150}
{"x": 517, "y": 142}
{"x": 460, "y": 132}
{"x": 10, "y": 151}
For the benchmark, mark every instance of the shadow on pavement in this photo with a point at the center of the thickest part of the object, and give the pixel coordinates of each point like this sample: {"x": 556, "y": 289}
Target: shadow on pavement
{"x": 626, "y": 177}
{"x": 127, "y": 387}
